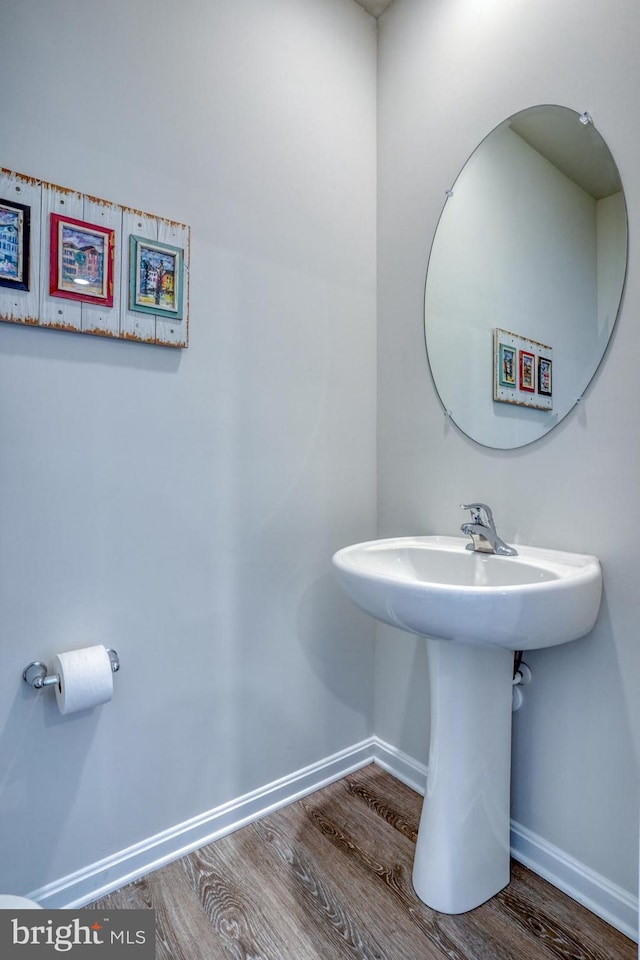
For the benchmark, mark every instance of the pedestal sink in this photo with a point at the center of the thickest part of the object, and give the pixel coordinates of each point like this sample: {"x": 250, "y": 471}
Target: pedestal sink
{"x": 474, "y": 610}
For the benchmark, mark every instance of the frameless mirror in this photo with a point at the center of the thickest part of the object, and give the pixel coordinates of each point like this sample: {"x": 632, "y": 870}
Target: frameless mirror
{"x": 525, "y": 276}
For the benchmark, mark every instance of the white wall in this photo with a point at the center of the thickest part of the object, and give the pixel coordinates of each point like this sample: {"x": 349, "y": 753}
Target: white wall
{"x": 449, "y": 72}
{"x": 183, "y": 506}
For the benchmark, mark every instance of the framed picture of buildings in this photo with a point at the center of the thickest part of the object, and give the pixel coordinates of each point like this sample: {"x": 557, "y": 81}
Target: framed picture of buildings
{"x": 81, "y": 260}
{"x": 527, "y": 371}
{"x": 155, "y": 277}
{"x": 15, "y": 219}
{"x": 506, "y": 370}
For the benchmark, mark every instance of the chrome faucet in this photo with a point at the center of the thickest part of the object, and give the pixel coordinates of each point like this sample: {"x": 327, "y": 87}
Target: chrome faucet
{"x": 482, "y": 530}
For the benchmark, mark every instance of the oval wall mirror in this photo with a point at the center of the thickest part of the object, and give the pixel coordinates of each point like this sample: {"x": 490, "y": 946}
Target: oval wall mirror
{"x": 525, "y": 276}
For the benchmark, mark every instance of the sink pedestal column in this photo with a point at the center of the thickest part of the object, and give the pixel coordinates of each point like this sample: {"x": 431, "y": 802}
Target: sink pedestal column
{"x": 462, "y": 851}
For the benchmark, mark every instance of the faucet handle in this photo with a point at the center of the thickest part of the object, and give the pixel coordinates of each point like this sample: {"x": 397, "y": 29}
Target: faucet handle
{"x": 477, "y": 510}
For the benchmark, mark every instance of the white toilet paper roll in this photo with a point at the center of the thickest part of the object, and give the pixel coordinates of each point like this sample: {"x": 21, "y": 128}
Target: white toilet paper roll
{"x": 86, "y": 678}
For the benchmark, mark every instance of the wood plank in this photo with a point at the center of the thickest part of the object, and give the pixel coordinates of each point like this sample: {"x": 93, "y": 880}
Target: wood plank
{"x": 488, "y": 934}
{"x": 22, "y": 306}
{"x": 135, "y": 325}
{"x": 57, "y": 312}
{"x": 252, "y": 911}
{"x": 97, "y": 318}
{"x": 135, "y": 896}
{"x": 171, "y": 332}
{"x": 393, "y": 801}
{"x": 183, "y": 931}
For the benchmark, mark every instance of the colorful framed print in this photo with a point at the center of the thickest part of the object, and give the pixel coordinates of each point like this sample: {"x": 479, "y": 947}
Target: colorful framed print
{"x": 81, "y": 261}
{"x": 545, "y": 388}
{"x": 15, "y": 223}
{"x": 155, "y": 277}
{"x": 527, "y": 371}
{"x": 507, "y": 366}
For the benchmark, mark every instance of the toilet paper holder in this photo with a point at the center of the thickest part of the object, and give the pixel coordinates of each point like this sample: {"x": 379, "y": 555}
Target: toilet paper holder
{"x": 36, "y": 675}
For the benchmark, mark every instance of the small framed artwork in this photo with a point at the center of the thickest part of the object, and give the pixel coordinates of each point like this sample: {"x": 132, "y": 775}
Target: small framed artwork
{"x": 527, "y": 371}
{"x": 81, "y": 261}
{"x": 15, "y": 221}
{"x": 507, "y": 366}
{"x": 544, "y": 377}
{"x": 155, "y": 277}
{"x": 521, "y": 371}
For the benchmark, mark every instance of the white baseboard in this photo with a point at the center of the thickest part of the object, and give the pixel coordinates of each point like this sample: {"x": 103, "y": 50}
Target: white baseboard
{"x": 615, "y": 905}
{"x": 400, "y": 765}
{"x": 98, "y": 879}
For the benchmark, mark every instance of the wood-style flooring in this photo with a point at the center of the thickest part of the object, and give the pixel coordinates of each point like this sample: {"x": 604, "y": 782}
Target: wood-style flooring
{"x": 329, "y": 877}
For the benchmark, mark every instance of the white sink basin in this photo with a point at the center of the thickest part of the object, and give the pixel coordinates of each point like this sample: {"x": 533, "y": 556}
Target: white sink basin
{"x": 436, "y": 587}
{"x": 488, "y": 606}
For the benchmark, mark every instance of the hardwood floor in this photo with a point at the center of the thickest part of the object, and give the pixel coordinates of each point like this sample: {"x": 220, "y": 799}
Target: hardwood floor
{"x": 329, "y": 877}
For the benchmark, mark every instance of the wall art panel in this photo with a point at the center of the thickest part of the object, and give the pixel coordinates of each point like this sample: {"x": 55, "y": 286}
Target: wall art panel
{"x": 74, "y": 262}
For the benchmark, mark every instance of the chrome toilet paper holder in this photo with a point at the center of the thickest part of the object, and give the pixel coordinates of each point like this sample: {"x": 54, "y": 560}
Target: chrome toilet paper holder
{"x": 36, "y": 675}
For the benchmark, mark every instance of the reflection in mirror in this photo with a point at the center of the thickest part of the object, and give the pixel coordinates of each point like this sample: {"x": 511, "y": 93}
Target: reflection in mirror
{"x": 528, "y": 263}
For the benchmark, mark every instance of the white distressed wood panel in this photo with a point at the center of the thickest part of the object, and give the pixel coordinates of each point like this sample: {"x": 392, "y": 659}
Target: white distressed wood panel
{"x": 22, "y": 306}
{"x": 96, "y": 317}
{"x": 55, "y": 311}
{"x": 135, "y": 325}
{"x": 169, "y": 331}
{"x": 37, "y": 307}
